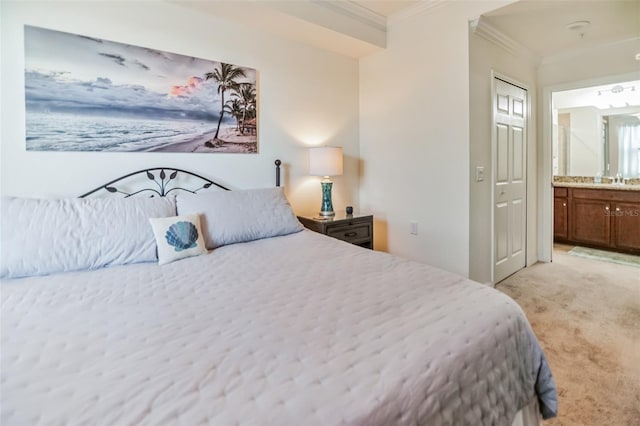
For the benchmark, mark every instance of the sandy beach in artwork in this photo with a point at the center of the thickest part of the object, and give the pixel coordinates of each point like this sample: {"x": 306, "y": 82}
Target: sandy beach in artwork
{"x": 229, "y": 141}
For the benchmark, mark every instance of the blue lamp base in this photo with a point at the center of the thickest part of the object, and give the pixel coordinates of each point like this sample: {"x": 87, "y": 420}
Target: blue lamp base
{"x": 327, "y": 206}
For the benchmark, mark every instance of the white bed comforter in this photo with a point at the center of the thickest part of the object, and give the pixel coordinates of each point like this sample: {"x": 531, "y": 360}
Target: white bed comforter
{"x": 293, "y": 330}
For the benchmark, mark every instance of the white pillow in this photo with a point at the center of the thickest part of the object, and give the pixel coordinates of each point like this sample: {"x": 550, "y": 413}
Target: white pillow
{"x": 178, "y": 237}
{"x": 230, "y": 217}
{"x": 39, "y": 237}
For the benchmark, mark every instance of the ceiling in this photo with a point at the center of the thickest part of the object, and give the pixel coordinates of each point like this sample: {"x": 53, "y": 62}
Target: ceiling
{"x": 359, "y": 28}
{"x": 541, "y": 25}
{"x": 345, "y": 27}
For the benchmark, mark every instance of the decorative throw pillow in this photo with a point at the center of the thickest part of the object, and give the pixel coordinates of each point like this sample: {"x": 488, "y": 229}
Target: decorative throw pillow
{"x": 178, "y": 237}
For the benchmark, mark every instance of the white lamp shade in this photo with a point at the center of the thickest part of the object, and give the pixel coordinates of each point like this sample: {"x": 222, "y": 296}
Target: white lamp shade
{"x": 325, "y": 161}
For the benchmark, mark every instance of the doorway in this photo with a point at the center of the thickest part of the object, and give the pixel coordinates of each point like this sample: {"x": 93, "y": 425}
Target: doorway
{"x": 581, "y": 138}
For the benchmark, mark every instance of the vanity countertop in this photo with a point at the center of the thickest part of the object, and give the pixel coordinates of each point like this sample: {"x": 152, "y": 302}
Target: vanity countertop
{"x": 597, "y": 186}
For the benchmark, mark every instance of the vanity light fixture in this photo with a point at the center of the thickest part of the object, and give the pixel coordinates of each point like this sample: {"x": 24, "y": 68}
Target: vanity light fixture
{"x": 617, "y": 89}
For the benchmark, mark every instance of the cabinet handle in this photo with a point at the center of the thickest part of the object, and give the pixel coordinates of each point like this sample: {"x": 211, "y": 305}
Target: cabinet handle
{"x": 617, "y": 209}
{"x": 564, "y": 204}
{"x": 350, "y": 234}
{"x": 606, "y": 208}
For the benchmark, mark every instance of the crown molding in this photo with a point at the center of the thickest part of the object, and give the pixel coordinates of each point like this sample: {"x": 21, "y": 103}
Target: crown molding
{"x": 355, "y": 11}
{"x": 482, "y": 28}
{"x": 423, "y": 6}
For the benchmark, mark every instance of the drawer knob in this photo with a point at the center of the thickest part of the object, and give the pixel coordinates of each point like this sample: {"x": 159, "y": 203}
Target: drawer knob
{"x": 350, "y": 234}
{"x": 564, "y": 204}
{"x": 607, "y": 208}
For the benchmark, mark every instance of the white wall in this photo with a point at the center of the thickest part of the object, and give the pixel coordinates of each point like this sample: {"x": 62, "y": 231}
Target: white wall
{"x": 306, "y": 96}
{"x": 485, "y": 57}
{"x": 414, "y": 131}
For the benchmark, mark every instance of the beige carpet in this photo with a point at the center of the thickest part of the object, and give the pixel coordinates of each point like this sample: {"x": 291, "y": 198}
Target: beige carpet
{"x": 586, "y": 314}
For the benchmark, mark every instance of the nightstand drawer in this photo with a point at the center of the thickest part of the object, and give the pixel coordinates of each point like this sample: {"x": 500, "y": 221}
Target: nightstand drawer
{"x": 352, "y": 234}
{"x": 355, "y": 229}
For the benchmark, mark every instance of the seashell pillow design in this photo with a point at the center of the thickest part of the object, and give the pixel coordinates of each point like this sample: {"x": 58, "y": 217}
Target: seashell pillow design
{"x": 178, "y": 237}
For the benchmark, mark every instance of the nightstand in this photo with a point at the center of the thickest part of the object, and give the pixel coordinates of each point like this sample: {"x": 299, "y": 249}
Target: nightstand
{"x": 355, "y": 229}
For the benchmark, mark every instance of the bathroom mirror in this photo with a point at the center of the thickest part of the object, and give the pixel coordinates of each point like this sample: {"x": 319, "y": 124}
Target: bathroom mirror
{"x": 596, "y": 130}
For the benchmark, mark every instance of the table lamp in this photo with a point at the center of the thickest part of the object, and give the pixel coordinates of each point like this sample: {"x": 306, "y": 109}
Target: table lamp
{"x": 325, "y": 161}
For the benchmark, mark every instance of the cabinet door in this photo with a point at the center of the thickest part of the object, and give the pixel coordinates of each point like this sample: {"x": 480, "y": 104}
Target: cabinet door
{"x": 626, "y": 226}
{"x": 590, "y": 222}
{"x": 560, "y": 211}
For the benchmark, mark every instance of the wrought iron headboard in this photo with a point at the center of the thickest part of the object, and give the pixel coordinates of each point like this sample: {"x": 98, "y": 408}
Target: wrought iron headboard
{"x": 165, "y": 182}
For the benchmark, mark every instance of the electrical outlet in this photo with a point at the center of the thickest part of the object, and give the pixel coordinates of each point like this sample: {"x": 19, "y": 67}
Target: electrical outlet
{"x": 479, "y": 174}
{"x": 413, "y": 228}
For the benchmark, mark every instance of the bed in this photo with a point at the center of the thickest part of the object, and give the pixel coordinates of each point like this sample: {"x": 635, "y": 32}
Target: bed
{"x": 272, "y": 324}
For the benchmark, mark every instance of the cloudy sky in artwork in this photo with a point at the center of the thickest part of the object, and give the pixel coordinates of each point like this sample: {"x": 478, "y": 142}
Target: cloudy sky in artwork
{"x": 83, "y": 75}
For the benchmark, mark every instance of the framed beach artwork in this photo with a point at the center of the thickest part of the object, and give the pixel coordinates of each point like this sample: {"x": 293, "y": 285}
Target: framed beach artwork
{"x": 88, "y": 94}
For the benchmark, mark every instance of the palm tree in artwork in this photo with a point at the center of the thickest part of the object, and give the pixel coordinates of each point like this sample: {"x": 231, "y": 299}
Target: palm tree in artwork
{"x": 247, "y": 99}
{"x": 226, "y": 76}
{"x": 234, "y": 108}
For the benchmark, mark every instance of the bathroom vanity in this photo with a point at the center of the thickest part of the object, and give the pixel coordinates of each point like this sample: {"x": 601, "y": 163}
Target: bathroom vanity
{"x": 598, "y": 215}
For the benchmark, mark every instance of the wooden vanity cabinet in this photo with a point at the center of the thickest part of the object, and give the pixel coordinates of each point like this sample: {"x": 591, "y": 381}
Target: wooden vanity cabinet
{"x": 626, "y": 226}
{"x": 602, "y": 218}
{"x": 560, "y": 214}
{"x": 590, "y": 222}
